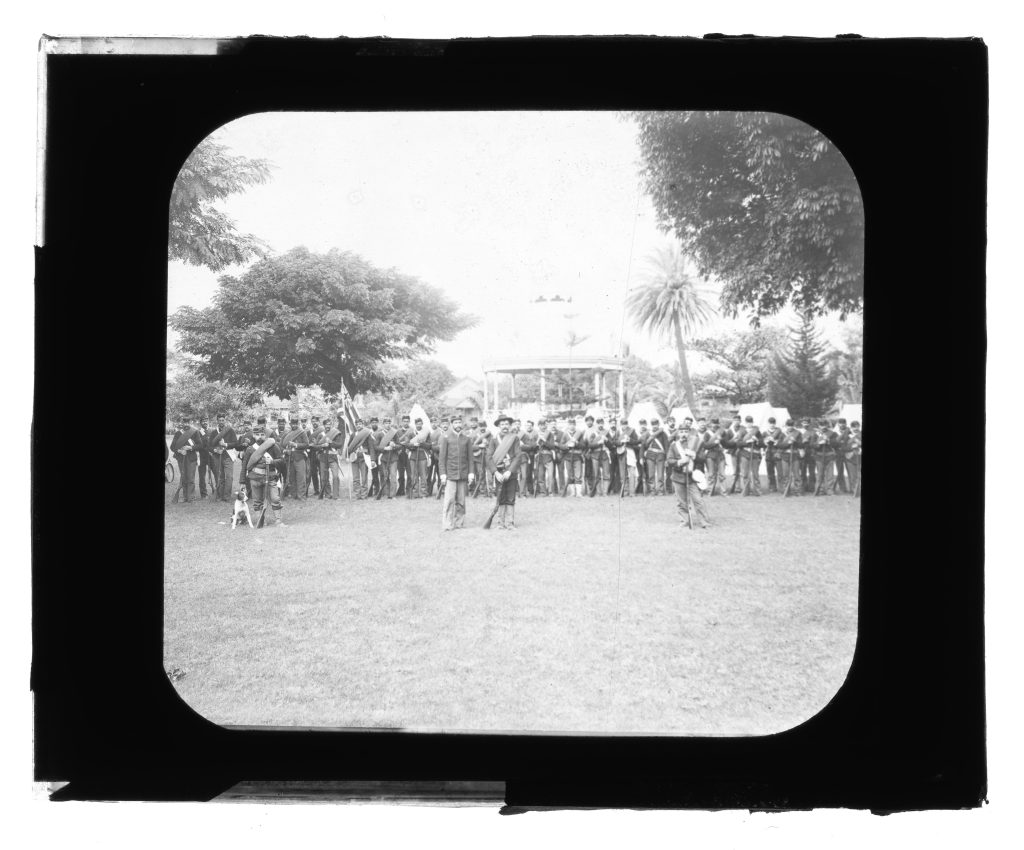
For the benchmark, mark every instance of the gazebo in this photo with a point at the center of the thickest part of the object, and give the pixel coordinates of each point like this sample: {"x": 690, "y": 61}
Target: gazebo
{"x": 551, "y": 339}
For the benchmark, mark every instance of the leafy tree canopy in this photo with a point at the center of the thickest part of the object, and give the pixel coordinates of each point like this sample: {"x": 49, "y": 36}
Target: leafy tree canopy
{"x": 762, "y": 202}
{"x": 302, "y": 318}
{"x": 848, "y": 365}
{"x": 198, "y": 233}
{"x": 743, "y": 361}
{"x": 190, "y": 395}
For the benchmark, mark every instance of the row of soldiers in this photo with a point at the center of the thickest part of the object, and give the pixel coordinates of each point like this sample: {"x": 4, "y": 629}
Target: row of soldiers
{"x": 562, "y": 458}
{"x": 308, "y": 450}
{"x": 394, "y": 459}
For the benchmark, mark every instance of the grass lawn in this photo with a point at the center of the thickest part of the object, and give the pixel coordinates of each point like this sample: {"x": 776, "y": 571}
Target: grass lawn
{"x": 595, "y": 615}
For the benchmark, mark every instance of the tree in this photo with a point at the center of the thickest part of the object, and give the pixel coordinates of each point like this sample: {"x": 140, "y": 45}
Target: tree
{"x": 190, "y": 395}
{"x": 744, "y": 361}
{"x": 800, "y": 378}
{"x": 642, "y": 381}
{"x": 330, "y": 319}
{"x": 669, "y": 304}
{"x": 848, "y": 365}
{"x": 763, "y": 202}
{"x": 199, "y": 234}
{"x": 423, "y": 381}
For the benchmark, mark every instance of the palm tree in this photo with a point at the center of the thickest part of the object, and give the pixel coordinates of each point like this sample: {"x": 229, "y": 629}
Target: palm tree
{"x": 669, "y": 304}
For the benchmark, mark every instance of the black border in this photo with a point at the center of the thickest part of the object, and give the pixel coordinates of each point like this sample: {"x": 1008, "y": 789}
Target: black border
{"x": 907, "y": 731}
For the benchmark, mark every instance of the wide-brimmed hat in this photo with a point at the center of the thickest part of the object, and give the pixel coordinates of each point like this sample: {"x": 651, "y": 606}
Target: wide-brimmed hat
{"x": 502, "y": 418}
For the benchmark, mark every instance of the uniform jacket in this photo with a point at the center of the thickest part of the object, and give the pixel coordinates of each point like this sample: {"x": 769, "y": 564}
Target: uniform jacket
{"x": 455, "y": 455}
{"x": 656, "y": 446}
{"x": 513, "y": 458}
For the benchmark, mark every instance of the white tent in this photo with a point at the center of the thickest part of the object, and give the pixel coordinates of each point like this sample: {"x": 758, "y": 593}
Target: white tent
{"x": 417, "y": 412}
{"x": 852, "y": 413}
{"x": 760, "y": 412}
{"x": 530, "y": 411}
{"x": 680, "y": 413}
{"x": 642, "y": 410}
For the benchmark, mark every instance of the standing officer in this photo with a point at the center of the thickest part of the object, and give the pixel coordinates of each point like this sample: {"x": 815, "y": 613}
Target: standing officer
{"x": 263, "y": 465}
{"x": 680, "y": 459}
{"x": 455, "y": 463}
{"x": 504, "y": 457}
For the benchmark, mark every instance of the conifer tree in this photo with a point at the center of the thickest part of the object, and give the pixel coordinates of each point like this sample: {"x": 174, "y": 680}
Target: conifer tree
{"x": 801, "y": 381}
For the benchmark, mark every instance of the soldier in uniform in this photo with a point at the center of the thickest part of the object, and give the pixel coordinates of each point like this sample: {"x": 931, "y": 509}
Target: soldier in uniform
{"x": 573, "y": 450}
{"x": 643, "y": 487}
{"x": 732, "y": 438}
{"x": 403, "y": 456}
{"x": 771, "y": 438}
{"x": 611, "y": 445}
{"x": 263, "y": 463}
{"x": 481, "y": 445}
{"x": 418, "y": 447}
{"x": 544, "y": 464}
{"x": 504, "y": 457}
{"x": 245, "y": 440}
{"x": 842, "y": 431}
{"x": 329, "y": 458}
{"x": 360, "y": 457}
{"x": 655, "y": 452}
{"x": 559, "y": 460}
{"x": 625, "y": 458}
{"x": 853, "y": 450}
{"x": 387, "y": 458}
{"x": 589, "y": 461}
{"x": 185, "y": 446}
{"x": 222, "y": 441}
{"x": 527, "y": 469}
{"x": 825, "y": 459}
{"x": 600, "y": 459}
{"x": 437, "y": 433}
{"x": 312, "y": 466}
{"x": 296, "y": 444}
{"x": 680, "y": 459}
{"x": 205, "y": 470}
{"x": 715, "y": 459}
{"x": 317, "y": 441}
{"x": 808, "y": 440}
{"x": 750, "y": 458}
{"x": 375, "y": 485}
{"x": 455, "y": 464}
{"x": 787, "y": 453}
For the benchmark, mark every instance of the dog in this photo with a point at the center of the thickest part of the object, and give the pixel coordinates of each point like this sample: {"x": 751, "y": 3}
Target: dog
{"x": 241, "y": 509}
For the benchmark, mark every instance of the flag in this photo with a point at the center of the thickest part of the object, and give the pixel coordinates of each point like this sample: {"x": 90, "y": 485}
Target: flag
{"x": 348, "y": 410}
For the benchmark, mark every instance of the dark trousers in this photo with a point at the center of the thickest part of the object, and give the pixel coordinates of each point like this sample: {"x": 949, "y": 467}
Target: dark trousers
{"x": 187, "y": 474}
{"x": 204, "y": 471}
{"x": 314, "y": 472}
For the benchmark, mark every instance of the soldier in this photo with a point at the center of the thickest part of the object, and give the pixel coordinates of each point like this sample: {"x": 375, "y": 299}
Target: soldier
{"x": 205, "y": 470}
{"x": 387, "y": 458}
{"x": 360, "y": 458}
{"x": 842, "y": 439}
{"x": 185, "y": 446}
{"x": 787, "y": 453}
{"x": 481, "y": 445}
{"x": 312, "y": 466}
{"x": 599, "y": 459}
{"x": 455, "y": 463}
{"x": 732, "y": 438}
{"x": 670, "y": 429}
{"x": 703, "y": 437}
{"x": 403, "y": 456}
{"x": 371, "y": 442}
{"x": 626, "y": 459}
{"x": 222, "y": 442}
{"x": 418, "y": 446}
{"x": 714, "y": 460}
{"x": 589, "y": 461}
{"x": 643, "y": 487}
{"x": 825, "y": 459}
{"x": 655, "y": 452}
{"x": 559, "y": 460}
{"x": 611, "y": 444}
{"x": 504, "y": 457}
{"x": 680, "y": 459}
{"x": 750, "y": 458}
{"x": 263, "y": 464}
{"x": 437, "y": 432}
{"x": 808, "y": 439}
{"x": 245, "y": 440}
{"x": 330, "y": 470}
{"x": 527, "y": 468}
{"x": 853, "y": 450}
{"x": 296, "y": 447}
{"x": 771, "y": 437}
{"x": 544, "y": 464}
{"x": 573, "y": 450}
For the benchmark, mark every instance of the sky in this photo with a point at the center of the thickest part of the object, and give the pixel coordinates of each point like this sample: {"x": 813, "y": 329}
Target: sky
{"x": 493, "y": 208}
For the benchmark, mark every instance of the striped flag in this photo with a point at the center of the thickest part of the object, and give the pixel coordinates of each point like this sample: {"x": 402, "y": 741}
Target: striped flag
{"x": 349, "y": 412}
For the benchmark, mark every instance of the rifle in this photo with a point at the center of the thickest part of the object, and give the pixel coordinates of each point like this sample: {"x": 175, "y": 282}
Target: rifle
{"x": 494, "y": 510}
{"x": 856, "y": 490}
{"x": 835, "y": 480}
{"x": 818, "y": 475}
{"x": 686, "y": 497}
{"x": 789, "y": 478}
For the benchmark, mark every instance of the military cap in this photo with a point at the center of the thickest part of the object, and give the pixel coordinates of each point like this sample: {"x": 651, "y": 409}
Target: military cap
{"x": 642, "y": 422}
{"x": 855, "y": 424}
{"x": 261, "y": 420}
{"x": 530, "y": 422}
{"x": 294, "y": 419}
{"x": 715, "y": 421}
{"x": 373, "y": 420}
{"x": 749, "y": 419}
{"x": 771, "y": 420}
{"x": 419, "y": 420}
{"x": 588, "y": 418}
{"x": 737, "y": 418}
{"x": 623, "y": 421}
{"x": 841, "y": 421}
{"x": 405, "y": 417}
{"x": 600, "y": 421}
{"x": 655, "y": 422}
{"x": 789, "y": 423}
{"x": 457, "y": 416}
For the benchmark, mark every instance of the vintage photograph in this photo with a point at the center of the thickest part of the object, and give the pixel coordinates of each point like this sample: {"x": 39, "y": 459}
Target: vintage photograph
{"x": 520, "y": 422}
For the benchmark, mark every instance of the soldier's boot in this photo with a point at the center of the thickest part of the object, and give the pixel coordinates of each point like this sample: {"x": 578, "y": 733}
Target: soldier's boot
{"x": 512, "y": 516}
{"x": 278, "y": 517}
